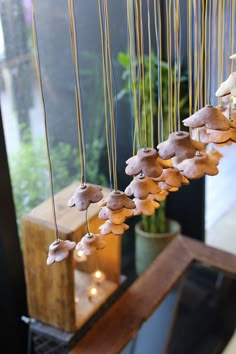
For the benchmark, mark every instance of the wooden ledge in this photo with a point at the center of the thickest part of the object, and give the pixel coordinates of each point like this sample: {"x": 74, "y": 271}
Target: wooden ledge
{"x": 123, "y": 320}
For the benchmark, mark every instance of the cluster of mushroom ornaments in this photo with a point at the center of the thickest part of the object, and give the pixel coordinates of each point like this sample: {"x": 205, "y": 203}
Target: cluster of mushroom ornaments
{"x": 155, "y": 173}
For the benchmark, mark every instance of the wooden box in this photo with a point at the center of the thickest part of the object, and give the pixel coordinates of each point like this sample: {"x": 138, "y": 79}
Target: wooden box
{"x": 57, "y": 294}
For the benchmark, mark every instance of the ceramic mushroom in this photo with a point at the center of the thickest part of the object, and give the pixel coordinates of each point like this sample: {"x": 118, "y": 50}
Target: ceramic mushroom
{"x": 145, "y": 162}
{"x": 84, "y": 195}
{"x": 145, "y": 206}
{"x": 141, "y": 187}
{"x": 227, "y": 87}
{"x": 115, "y": 216}
{"x": 200, "y": 165}
{"x": 180, "y": 146}
{"x": 108, "y": 227}
{"x": 173, "y": 177}
{"x": 209, "y": 117}
{"x": 59, "y": 250}
{"x": 117, "y": 200}
{"x": 90, "y": 243}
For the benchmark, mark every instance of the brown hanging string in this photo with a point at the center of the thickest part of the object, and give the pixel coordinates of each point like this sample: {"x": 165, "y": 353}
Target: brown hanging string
{"x": 39, "y": 78}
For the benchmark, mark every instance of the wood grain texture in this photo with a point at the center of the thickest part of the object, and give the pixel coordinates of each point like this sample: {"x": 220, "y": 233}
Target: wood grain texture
{"x": 122, "y": 321}
{"x": 50, "y": 289}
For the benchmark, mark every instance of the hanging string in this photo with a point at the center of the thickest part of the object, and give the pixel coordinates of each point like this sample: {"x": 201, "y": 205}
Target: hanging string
{"x": 232, "y": 32}
{"x": 219, "y": 47}
{"x": 178, "y": 51}
{"x": 158, "y": 35}
{"x": 105, "y": 94}
{"x": 196, "y": 56}
{"x": 142, "y": 66}
{"x": 190, "y": 47}
{"x": 169, "y": 31}
{"x": 109, "y": 80}
{"x": 39, "y": 78}
{"x": 209, "y": 53}
{"x": 201, "y": 56}
{"x": 175, "y": 40}
{"x": 138, "y": 45}
{"x": 214, "y": 57}
{"x": 150, "y": 133}
{"x": 79, "y": 113}
{"x": 133, "y": 83}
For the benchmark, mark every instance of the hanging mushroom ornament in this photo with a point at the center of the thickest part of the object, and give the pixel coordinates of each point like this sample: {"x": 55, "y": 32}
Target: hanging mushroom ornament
{"x": 227, "y": 87}
{"x": 90, "y": 243}
{"x": 172, "y": 177}
{"x": 141, "y": 187}
{"x": 116, "y": 208}
{"x": 59, "y": 250}
{"x": 145, "y": 206}
{"x": 84, "y": 195}
{"x": 198, "y": 166}
{"x": 221, "y": 137}
{"x": 145, "y": 162}
{"x": 209, "y": 117}
{"x": 179, "y": 146}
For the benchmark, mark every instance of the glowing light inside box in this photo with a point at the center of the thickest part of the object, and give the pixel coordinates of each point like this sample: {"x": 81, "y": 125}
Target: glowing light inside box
{"x": 92, "y": 292}
{"x": 98, "y": 277}
{"x": 80, "y": 256}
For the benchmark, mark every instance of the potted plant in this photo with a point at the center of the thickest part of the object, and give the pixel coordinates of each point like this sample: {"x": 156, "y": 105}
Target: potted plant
{"x": 153, "y": 233}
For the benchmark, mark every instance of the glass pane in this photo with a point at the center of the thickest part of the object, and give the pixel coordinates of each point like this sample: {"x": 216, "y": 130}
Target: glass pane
{"x": 21, "y": 104}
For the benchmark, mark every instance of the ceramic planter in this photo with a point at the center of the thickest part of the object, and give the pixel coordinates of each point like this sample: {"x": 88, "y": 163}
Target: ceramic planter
{"x": 149, "y": 245}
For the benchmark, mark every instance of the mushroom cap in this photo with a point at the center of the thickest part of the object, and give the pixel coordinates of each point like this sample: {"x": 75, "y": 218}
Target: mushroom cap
{"x": 117, "y": 200}
{"x": 199, "y": 166}
{"x": 167, "y": 187}
{"x": 180, "y": 146}
{"x": 228, "y": 86}
{"x": 173, "y": 177}
{"x": 59, "y": 250}
{"x": 215, "y": 154}
{"x": 146, "y": 162}
{"x": 145, "y": 206}
{"x": 108, "y": 227}
{"x": 219, "y": 137}
{"x": 115, "y": 216}
{"x": 90, "y": 243}
{"x": 159, "y": 197}
{"x": 84, "y": 195}
{"x": 141, "y": 187}
{"x": 208, "y": 116}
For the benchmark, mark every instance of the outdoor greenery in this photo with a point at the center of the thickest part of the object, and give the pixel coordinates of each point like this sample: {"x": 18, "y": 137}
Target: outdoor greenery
{"x": 156, "y": 223}
{"x": 29, "y": 171}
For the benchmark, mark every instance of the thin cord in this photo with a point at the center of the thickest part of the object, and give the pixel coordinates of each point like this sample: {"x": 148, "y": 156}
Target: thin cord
{"x": 150, "y": 76}
{"x": 105, "y": 94}
{"x": 232, "y": 31}
{"x": 190, "y": 47}
{"x": 39, "y": 78}
{"x": 109, "y": 76}
{"x": 137, "y": 31}
{"x": 209, "y": 52}
{"x": 179, "y": 44}
{"x": 168, "y": 30}
{"x": 158, "y": 34}
{"x": 79, "y": 113}
{"x": 133, "y": 82}
{"x": 142, "y": 73}
{"x": 196, "y": 60}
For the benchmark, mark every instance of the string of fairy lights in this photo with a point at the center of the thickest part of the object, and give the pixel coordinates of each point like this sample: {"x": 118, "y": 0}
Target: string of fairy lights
{"x": 168, "y": 156}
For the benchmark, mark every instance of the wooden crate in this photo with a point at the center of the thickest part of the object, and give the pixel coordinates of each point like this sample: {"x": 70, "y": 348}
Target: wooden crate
{"x": 51, "y": 290}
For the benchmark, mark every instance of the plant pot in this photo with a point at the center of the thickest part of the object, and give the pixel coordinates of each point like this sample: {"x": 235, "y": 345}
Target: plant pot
{"x": 149, "y": 245}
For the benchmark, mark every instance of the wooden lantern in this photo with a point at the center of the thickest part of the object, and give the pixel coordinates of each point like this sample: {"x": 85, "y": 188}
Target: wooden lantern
{"x": 57, "y": 294}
